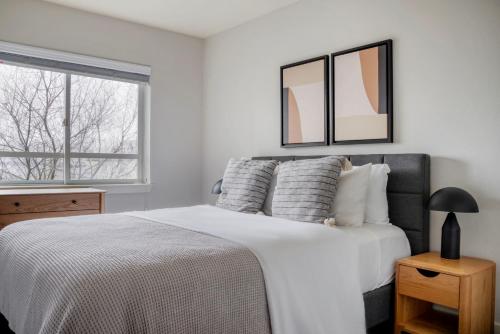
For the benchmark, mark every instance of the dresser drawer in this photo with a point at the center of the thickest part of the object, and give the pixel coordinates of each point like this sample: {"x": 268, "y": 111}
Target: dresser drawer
{"x": 6, "y": 220}
{"x": 430, "y": 286}
{"x": 17, "y": 204}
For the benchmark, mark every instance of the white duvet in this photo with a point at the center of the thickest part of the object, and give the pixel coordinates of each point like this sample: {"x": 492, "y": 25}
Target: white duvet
{"x": 310, "y": 270}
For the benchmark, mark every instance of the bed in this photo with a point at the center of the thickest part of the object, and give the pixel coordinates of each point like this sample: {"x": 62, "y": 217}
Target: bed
{"x": 201, "y": 269}
{"x": 408, "y": 192}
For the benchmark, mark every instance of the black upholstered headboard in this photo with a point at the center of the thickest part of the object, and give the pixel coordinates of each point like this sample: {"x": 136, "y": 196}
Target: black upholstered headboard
{"x": 407, "y": 191}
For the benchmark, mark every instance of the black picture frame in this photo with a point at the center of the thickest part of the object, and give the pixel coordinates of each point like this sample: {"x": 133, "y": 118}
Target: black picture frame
{"x": 326, "y": 129}
{"x": 389, "y": 96}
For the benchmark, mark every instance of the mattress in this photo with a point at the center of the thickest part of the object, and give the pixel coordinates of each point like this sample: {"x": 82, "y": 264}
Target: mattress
{"x": 196, "y": 269}
{"x": 379, "y": 247}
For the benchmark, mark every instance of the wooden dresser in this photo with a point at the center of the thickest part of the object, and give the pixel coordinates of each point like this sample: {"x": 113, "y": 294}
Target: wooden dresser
{"x": 24, "y": 204}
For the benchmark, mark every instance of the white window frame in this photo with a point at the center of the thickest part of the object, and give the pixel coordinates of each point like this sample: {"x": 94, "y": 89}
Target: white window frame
{"x": 143, "y": 110}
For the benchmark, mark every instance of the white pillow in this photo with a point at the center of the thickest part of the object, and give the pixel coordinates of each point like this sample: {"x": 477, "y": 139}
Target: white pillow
{"x": 268, "y": 203}
{"x": 350, "y": 201}
{"x": 377, "y": 208}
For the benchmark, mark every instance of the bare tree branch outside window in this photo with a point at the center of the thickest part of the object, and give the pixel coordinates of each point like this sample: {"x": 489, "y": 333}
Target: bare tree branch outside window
{"x": 104, "y": 119}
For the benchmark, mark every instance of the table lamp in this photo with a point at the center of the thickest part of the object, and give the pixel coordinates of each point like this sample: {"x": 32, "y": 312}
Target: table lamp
{"x": 217, "y": 188}
{"x": 452, "y": 200}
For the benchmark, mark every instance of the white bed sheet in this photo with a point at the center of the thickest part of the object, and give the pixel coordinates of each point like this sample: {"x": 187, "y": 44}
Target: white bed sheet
{"x": 380, "y": 246}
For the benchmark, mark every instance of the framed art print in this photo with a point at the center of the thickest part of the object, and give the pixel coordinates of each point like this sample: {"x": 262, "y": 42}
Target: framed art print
{"x": 362, "y": 94}
{"x": 304, "y": 103}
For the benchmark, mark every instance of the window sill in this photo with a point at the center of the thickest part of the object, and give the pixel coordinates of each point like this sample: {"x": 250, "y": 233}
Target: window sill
{"x": 138, "y": 188}
{"x": 111, "y": 189}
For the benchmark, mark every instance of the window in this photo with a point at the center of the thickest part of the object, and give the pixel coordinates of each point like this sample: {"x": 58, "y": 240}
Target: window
{"x": 67, "y": 126}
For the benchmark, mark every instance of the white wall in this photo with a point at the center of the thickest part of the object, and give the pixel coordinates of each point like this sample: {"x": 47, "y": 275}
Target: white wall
{"x": 446, "y": 92}
{"x": 176, "y": 86}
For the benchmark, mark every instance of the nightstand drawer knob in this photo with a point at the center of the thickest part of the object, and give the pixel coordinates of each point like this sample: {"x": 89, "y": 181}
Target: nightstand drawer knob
{"x": 17, "y": 204}
{"x": 427, "y": 273}
{"x": 74, "y": 201}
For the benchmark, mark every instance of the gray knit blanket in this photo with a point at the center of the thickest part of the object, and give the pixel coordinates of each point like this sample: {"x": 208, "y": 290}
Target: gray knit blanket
{"x": 121, "y": 274}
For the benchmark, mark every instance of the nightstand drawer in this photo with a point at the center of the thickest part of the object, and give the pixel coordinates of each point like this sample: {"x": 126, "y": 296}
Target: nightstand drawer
{"x": 430, "y": 286}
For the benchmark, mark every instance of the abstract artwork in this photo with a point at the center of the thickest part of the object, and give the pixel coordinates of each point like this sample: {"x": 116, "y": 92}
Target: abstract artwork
{"x": 362, "y": 94}
{"x": 304, "y": 103}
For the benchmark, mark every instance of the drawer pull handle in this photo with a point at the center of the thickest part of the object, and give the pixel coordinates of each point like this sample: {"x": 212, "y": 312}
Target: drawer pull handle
{"x": 17, "y": 204}
{"x": 74, "y": 201}
{"x": 428, "y": 273}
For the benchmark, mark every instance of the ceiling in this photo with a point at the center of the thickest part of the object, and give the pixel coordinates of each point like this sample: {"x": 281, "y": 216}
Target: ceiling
{"x": 200, "y": 18}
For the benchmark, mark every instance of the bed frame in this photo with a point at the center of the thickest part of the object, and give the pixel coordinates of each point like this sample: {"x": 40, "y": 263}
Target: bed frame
{"x": 407, "y": 193}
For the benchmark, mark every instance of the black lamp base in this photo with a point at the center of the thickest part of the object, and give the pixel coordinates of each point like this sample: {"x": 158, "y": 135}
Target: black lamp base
{"x": 450, "y": 238}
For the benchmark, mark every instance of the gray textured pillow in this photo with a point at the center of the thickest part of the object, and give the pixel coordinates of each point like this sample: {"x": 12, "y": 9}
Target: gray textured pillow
{"x": 306, "y": 189}
{"x": 245, "y": 184}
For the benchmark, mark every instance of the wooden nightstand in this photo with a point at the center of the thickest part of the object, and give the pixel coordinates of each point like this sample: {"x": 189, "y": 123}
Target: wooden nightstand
{"x": 466, "y": 285}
